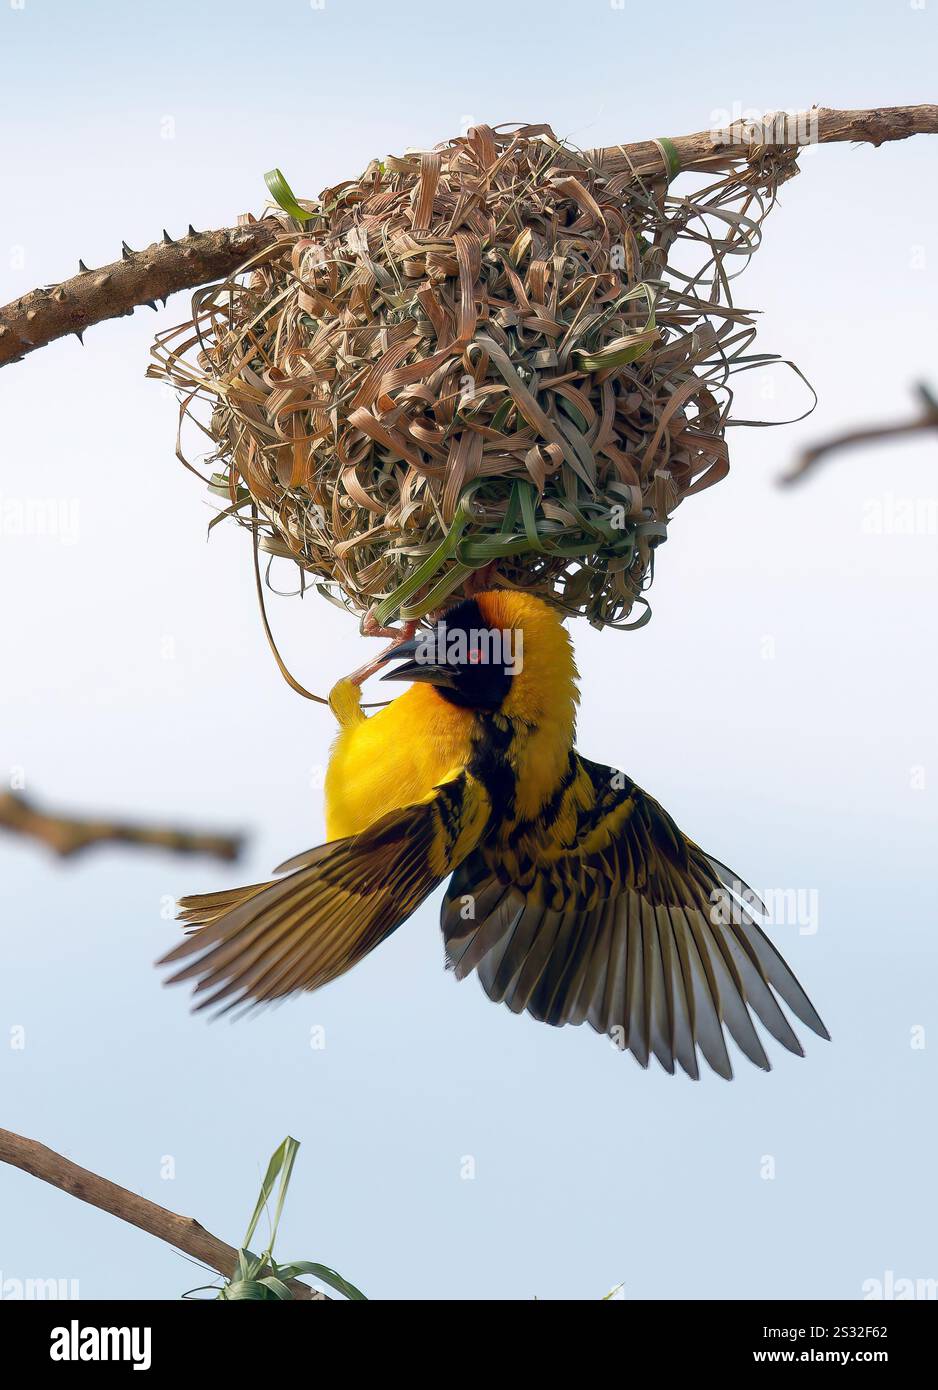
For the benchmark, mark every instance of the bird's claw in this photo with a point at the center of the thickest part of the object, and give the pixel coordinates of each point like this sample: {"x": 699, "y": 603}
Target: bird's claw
{"x": 370, "y": 628}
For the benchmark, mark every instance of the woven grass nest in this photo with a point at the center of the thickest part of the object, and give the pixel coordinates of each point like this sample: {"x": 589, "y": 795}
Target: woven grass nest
{"x": 493, "y": 356}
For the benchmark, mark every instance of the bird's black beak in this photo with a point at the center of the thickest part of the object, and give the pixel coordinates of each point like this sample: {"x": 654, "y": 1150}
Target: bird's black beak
{"x": 423, "y": 667}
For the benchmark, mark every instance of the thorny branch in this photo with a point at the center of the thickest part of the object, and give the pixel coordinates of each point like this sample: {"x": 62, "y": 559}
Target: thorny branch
{"x": 183, "y": 1232}
{"x": 143, "y": 277}
{"x": 139, "y": 277}
{"x": 67, "y": 836}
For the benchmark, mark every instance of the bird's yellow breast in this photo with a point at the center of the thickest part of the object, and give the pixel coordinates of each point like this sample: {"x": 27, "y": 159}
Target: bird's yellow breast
{"x": 393, "y": 759}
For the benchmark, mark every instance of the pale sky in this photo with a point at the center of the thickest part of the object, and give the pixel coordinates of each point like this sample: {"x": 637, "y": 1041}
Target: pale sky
{"x": 780, "y": 703}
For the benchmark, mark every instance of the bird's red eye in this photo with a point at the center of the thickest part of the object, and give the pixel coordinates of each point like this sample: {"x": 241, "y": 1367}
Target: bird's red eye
{"x": 475, "y": 656}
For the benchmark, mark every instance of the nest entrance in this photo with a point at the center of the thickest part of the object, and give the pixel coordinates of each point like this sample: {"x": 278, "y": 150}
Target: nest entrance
{"x": 490, "y": 354}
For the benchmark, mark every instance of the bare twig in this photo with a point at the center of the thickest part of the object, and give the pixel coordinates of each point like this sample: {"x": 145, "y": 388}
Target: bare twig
{"x": 67, "y": 836}
{"x": 928, "y": 420}
{"x": 142, "y": 277}
{"x": 183, "y": 1232}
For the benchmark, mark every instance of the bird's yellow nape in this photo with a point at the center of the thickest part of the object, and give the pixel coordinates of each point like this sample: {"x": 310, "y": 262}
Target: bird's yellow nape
{"x": 544, "y": 675}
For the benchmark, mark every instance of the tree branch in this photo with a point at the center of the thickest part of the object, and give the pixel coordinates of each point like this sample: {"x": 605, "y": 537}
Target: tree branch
{"x": 67, "y": 836}
{"x": 819, "y": 126}
{"x": 183, "y": 1232}
{"x": 142, "y": 277}
{"x": 928, "y": 420}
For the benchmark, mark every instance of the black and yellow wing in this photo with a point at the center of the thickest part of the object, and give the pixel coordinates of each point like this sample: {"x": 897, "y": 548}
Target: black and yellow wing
{"x": 604, "y": 912}
{"x": 333, "y": 905}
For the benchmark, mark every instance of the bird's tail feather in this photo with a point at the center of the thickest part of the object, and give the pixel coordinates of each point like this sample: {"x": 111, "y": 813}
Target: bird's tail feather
{"x": 199, "y": 909}
{"x": 332, "y": 906}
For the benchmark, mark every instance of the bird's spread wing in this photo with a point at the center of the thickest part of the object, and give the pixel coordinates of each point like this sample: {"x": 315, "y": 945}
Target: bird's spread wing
{"x": 334, "y": 904}
{"x": 614, "y": 917}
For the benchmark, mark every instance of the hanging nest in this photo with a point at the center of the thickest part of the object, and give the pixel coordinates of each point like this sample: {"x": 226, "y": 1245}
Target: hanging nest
{"x": 492, "y": 356}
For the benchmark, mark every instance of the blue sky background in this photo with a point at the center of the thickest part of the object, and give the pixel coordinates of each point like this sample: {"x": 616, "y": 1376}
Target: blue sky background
{"x": 137, "y": 679}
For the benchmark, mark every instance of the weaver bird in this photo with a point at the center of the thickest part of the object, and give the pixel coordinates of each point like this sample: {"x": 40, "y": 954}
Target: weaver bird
{"x": 571, "y": 892}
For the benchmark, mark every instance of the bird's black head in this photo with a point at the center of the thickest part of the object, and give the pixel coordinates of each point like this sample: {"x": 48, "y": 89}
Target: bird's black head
{"x": 470, "y": 662}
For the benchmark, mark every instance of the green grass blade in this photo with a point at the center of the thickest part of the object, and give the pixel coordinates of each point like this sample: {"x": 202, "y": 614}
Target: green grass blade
{"x": 431, "y": 565}
{"x": 280, "y": 1165}
{"x": 277, "y": 1287}
{"x": 244, "y": 1291}
{"x": 326, "y": 1275}
{"x": 282, "y": 194}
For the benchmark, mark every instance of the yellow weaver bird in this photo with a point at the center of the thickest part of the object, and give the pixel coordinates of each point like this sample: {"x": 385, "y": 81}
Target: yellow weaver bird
{"x": 572, "y": 893}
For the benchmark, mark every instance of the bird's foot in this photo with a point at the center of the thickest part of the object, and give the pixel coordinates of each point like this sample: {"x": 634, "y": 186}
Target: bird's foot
{"x": 372, "y": 629}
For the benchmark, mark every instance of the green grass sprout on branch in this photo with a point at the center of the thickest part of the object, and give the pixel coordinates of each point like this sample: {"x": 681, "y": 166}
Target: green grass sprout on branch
{"x": 260, "y": 1276}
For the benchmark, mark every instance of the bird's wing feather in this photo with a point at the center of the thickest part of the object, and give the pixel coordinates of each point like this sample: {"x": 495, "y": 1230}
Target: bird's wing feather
{"x": 618, "y": 919}
{"x": 334, "y": 904}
